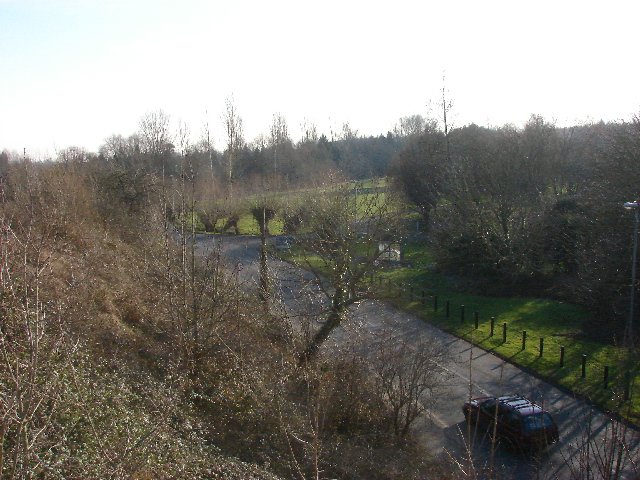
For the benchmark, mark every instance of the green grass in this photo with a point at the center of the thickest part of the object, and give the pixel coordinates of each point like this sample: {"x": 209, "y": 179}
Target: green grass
{"x": 369, "y": 193}
{"x": 558, "y": 323}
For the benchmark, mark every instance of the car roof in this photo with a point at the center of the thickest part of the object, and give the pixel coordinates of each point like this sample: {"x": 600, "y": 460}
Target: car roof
{"x": 520, "y": 404}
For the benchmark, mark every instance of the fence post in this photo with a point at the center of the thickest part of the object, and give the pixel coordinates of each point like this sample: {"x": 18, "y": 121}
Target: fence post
{"x": 462, "y": 314}
{"x": 493, "y": 321}
{"x": 475, "y": 319}
{"x": 524, "y": 339}
{"x": 541, "y": 346}
{"x": 627, "y": 386}
{"x": 504, "y": 332}
{"x": 584, "y": 366}
{"x": 562, "y": 356}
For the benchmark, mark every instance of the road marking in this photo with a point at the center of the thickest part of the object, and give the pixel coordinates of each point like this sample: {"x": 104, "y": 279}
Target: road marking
{"x": 466, "y": 380}
{"x": 435, "y": 418}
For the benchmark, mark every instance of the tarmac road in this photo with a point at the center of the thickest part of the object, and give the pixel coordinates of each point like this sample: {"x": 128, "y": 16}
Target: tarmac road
{"x": 585, "y": 447}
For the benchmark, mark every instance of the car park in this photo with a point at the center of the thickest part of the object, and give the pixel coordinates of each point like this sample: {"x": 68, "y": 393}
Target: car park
{"x": 515, "y": 418}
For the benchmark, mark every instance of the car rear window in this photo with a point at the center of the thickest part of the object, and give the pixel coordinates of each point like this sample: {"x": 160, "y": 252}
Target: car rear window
{"x": 537, "y": 421}
{"x": 489, "y": 406}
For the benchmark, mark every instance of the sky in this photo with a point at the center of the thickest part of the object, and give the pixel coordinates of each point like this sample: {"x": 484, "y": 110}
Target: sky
{"x": 74, "y": 72}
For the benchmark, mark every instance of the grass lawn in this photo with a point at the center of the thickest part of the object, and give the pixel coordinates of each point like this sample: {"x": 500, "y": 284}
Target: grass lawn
{"x": 363, "y": 193}
{"x": 565, "y": 357}
{"x": 429, "y": 295}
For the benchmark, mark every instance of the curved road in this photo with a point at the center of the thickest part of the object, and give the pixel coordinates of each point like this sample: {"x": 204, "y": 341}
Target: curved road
{"x": 585, "y": 450}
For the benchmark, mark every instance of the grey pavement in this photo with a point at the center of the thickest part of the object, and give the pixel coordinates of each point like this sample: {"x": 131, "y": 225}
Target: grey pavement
{"x": 592, "y": 445}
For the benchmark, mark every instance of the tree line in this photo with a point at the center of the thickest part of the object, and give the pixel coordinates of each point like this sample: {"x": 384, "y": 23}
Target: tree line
{"x": 531, "y": 210}
{"x": 536, "y": 210}
{"x": 160, "y": 146}
{"x": 128, "y": 352}
{"x": 125, "y": 353}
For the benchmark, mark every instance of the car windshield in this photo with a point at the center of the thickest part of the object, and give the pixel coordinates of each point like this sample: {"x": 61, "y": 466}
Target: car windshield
{"x": 537, "y": 421}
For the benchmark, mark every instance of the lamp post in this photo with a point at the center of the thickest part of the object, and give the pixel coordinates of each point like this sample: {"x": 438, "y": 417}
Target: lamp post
{"x": 635, "y": 206}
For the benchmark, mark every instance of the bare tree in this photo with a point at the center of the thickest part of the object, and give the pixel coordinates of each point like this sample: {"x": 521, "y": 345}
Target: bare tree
{"x": 309, "y": 131}
{"x": 348, "y": 132}
{"x": 155, "y": 134}
{"x": 121, "y": 151}
{"x": 279, "y": 137}
{"x": 420, "y": 170}
{"x": 263, "y": 212}
{"x": 410, "y": 126}
{"x": 497, "y": 186}
{"x": 234, "y": 137}
{"x": 446, "y": 107}
{"x": 182, "y": 138}
{"x": 73, "y": 156}
{"x": 206, "y": 145}
{"x": 607, "y": 452}
{"x": 407, "y": 375}
{"x": 343, "y": 248}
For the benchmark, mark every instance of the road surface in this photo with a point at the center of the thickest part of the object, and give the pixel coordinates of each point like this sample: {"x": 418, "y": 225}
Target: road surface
{"x": 590, "y": 442}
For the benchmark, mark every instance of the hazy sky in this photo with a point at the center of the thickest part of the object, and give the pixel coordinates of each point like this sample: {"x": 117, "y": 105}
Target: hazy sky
{"x": 73, "y": 72}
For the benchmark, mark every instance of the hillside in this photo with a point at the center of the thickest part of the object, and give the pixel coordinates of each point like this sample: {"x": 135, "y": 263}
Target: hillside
{"x": 125, "y": 355}
{"x": 93, "y": 386}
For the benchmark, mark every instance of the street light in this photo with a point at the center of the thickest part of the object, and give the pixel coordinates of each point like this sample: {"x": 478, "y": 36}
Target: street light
{"x": 635, "y": 206}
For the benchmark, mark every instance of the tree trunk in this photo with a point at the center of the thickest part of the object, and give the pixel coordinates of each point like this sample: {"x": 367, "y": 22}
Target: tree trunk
{"x": 264, "y": 272}
{"x": 333, "y": 321}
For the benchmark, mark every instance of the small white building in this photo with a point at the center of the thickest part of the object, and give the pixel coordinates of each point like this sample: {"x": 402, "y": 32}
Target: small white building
{"x": 390, "y": 251}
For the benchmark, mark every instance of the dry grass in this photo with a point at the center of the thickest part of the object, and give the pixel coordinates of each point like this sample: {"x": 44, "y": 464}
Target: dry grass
{"x": 146, "y": 367}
